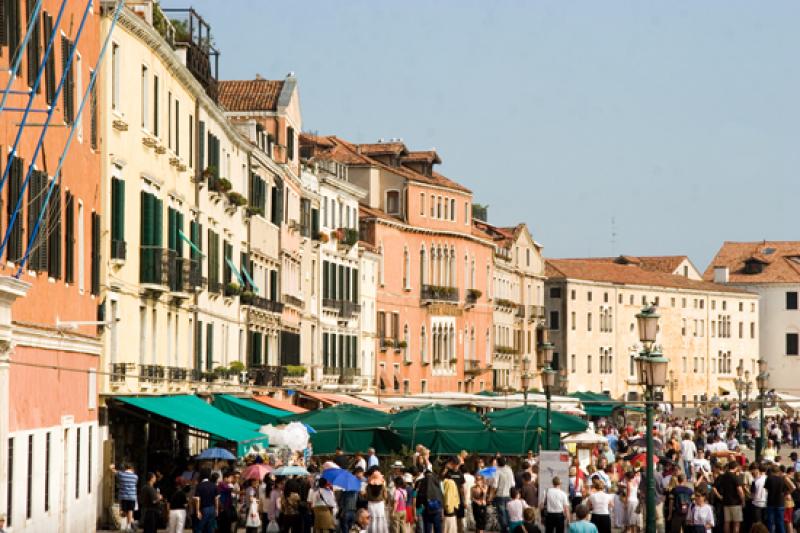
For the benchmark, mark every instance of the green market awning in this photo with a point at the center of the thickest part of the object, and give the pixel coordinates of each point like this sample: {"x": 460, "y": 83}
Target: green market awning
{"x": 351, "y": 428}
{"x": 596, "y": 404}
{"x": 442, "y": 429}
{"x": 523, "y": 428}
{"x": 193, "y": 412}
{"x": 249, "y": 410}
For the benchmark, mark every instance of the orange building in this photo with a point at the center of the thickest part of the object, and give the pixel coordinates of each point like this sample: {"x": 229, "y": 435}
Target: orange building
{"x": 49, "y": 350}
{"x": 434, "y": 321}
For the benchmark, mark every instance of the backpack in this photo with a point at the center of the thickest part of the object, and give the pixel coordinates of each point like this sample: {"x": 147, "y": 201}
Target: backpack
{"x": 433, "y": 506}
{"x": 682, "y": 503}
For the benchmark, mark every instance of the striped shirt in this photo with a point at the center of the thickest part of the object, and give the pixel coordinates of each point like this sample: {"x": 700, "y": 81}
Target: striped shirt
{"x": 127, "y": 482}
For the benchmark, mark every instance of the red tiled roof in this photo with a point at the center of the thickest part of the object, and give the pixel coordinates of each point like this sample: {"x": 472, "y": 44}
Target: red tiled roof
{"x": 654, "y": 263}
{"x": 610, "y": 272}
{"x": 421, "y": 156}
{"x": 383, "y": 148}
{"x": 354, "y": 154}
{"x": 780, "y": 259}
{"x": 279, "y": 404}
{"x": 249, "y": 95}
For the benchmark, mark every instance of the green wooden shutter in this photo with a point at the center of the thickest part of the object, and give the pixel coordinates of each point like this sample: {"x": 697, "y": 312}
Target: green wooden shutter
{"x": 315, "y": 224}
{"x": 158, "y": 222}
{"x": 69, "y": 238}
{"x": 355, "y": 285}
{"x": 172, "y": 232}
{"x": 54, "y": 237}
{"x": 50, "y": 68}
{"x": 16, "y": 235}
{"x": 198, "y": 346}
{"x": 273, "y": 285}
{"x": 67, "y": 89}
{"x": 201, "y": 148}
{"x": 33, "y": 46}
{"x": 178, "y": 227}
{"x": 95, "y": 259}
{"x": 209, "y": 347}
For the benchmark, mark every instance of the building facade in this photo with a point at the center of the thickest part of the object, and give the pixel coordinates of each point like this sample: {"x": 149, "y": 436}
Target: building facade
{"x": 50, "y": 460}
{"x": 770, "y": 269}
{"x": 706, "y": 329}
{"x": 517, "y": 294}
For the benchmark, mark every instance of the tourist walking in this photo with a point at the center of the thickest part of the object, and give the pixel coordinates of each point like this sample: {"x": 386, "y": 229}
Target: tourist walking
{"x": 555, "y": 507}
{"x": 601, "y": 504}
{"x": 127, "y": 482}
{"x": 678, "y": 503}
{"x": 376, "y": 495}
{"x": 177, "y": 507}
{"x": 582, "y": 524}
{"x": 504, "y": 481}
{"x": 478, "y": 498}
{"x": 149, "y": 499}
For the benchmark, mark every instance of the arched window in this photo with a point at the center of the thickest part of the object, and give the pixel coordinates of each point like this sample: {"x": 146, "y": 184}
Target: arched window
{"x": 488, "y": 346}
{"x": 407, "y": 340}
{"x": 406, "y": 269}
{"x": 380, "y": 263}
{"x": 423, "y": 345}
{"x": 423, "y": 277}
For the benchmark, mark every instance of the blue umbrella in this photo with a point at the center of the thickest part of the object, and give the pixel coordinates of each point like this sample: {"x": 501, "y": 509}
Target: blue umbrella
{"x": 291, "y": 471}
{"x": 342, "y": 479}
{"x": 488, "y": 471}
{"x": 217, "y": 453}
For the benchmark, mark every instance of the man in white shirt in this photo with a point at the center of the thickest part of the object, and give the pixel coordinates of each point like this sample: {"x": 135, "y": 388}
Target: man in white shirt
{"x": 700, "y": 463}
{"x": 504, "y": 481}
{"x": 688, "y": 452}
{"x": 556, "y": 507}
{"x": 372, "y": 459}
{"x": 759, "y": 495}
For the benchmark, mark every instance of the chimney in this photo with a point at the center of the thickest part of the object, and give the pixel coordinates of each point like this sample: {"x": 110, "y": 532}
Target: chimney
{"x": 721, "y": 274}
{"x": 259, "y": 76}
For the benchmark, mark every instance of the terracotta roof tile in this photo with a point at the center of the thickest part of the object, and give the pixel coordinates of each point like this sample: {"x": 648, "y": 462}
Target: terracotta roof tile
{"x": 654, "y": 263}
{"x": 780, "y": 259}
{"x": 249, "y": 95}
{"x": 610, "y": 272}
{"x": 421, "y": 156}
{"x": 382, "y": 148}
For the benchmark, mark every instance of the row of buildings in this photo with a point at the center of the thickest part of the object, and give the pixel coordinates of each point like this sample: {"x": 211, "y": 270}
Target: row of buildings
{"x": 196, "y": 240}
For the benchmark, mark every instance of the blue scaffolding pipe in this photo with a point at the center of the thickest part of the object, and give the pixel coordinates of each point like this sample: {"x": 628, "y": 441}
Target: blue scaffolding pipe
{"x": 23, "y": 109}
{"x": 13, "y": 153}
{"x": 12, "y": 72}
{"x": 66, "y": 70}
{"x": 57, "y": 173}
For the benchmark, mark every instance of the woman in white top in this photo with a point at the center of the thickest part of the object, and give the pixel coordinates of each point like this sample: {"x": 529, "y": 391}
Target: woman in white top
{"x": 701, "y": 515}
{"x": 600, "y": 504}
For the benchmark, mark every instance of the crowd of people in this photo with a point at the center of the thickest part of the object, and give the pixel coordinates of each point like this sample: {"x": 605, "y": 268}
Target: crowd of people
{"x": 703, "y": 482}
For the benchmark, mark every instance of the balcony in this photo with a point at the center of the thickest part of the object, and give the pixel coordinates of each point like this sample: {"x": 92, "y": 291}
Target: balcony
{"x": 349, "y": 376}
{"x": 154, "y": 266}
{"x": 504, "y": 304}
{"x": 535, "y": 312}
{"x": 346, "y": 237}
{"x": 472, "y": 367}
{"x": 387, "y": 343}
{"x": 119, "y": 372}
{"x": 175, "y": 373}
{"x": 251, "y": 299}
{"x": 190, "y": 32}
{"x": 520, "y": 311}
{"x": 195, "y": 275}
{"x": 292, "y": 300}
{"x": 151, "y": 373}
{"x": 472, "y": 297}
{"x": 119, "y": 250}
{"x": 214, "y": 286}
{"x": 436, "y": 293}
{"x": 344, "y": 308}
{"x": 505, "y": 352}
{"x": 266, "y": 376}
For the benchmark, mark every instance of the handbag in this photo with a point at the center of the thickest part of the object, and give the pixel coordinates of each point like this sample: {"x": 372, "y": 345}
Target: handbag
{"x": 273, "y": 527}
{"x": 253, "y": 516}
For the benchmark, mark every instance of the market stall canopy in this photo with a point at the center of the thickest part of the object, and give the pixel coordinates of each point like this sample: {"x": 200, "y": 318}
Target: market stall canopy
{"x": 339, "y": 399}
{"x": 488, "y": 401}
{"x": 768, "y": 412}
{"x": 250, "y": 410}
{"x": 193, "y": 412}
{"x": 349, "y": 427}
{"x": 520, "y": 429}
{"x": 587, "y": 438}
{"x": 442, "y": 429}
{"x": 279, "y": 404}
{"x": 597, "y": 404}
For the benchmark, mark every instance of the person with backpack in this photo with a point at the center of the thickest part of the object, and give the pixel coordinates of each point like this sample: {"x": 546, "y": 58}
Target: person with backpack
{"x": 555, "y": 507}
{"x": 430, "y": 498}
{"x": 679, "y": 501}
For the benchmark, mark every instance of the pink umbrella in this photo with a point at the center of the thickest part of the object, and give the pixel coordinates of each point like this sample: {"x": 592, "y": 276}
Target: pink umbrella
{"x": 256, "y": 471}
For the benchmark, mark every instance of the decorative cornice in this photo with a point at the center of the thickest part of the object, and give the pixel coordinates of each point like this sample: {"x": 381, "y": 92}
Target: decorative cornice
{"x": 51, "y": 339}
{"x": 416, "y": 229}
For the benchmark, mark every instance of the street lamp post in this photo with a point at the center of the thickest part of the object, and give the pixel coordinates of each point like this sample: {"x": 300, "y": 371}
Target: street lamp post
{"x": 762, "y": 380}
{"x": 652, "y": 374}
{"x": 548, "y": 380}
{"x": 742, "y": 378}
{"x": 526, "y": 363}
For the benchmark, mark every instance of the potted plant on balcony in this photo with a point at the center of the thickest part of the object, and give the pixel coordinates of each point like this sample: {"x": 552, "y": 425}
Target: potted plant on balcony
{"x": 232, "y": 289}
{"x": 236, "y": 199}
{"x": 323, "y": 237}
{"x": 295, "y": 371}
{"x": 221, "y": 185}
{"x": 453, "y": 360}
{"x": 399, "y": 346}
{"x": 208, "y": 172}
{"x": 221, "y": 372}
{"x": 473, "y": 294}
{"x": 251, "y": 210}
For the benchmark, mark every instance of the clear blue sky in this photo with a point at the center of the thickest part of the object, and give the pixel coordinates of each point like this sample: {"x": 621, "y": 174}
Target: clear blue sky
{"x": 678, "y": 119}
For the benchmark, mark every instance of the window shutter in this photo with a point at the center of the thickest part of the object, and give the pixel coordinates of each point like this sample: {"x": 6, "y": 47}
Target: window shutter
{"x": 209, "y": 347}
{"x": 273, "y": 285}
{"x": 178, "y": 227}
{"x": 69, "y": 239}
{"x": 158, "y": 222}
{"x": 33, "y": 46}
{"x": 66, "y": 46}
{"x": 95, "y": 254}
{"x": 93, "y": 116}
{"x": 117, "y": 210}
{"x": 14, "y": 249}
{"x": 54, "y": 237}
{"x": 201, "y": 148}
{"x": 355, "y": 286}
{"x": 14, "y": 27}
{"x": 50, "y": 68}
{"x": 315, "y": 223}
{"x": 172, "y": 230}
{"x": 198, "y": 346}
{"x": 3, "y": 22}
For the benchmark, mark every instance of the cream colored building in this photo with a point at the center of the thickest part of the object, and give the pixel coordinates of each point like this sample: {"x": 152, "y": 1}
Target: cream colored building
{"x": 771, "y": 269}
{"x": 518, "y": 297}
{"x": 706, "y": 329}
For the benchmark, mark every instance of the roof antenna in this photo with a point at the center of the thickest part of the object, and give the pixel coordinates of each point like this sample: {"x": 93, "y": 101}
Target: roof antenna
{"x": 613, "y": 237}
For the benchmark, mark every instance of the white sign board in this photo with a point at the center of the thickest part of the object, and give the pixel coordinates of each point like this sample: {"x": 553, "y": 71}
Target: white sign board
{"x": 552, "y": 464}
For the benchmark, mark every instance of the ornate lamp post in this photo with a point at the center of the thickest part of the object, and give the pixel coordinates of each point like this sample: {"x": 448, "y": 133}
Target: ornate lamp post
{"x": 526, "y": 365}
{"x": 652, "y": 374}
{"x": 548, "y": 380}
{"x": 762, "y": 381}
{"x": 741, "y": 383}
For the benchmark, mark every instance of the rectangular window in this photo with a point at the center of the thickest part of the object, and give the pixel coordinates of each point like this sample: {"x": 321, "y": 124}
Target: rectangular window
{"x": 69, "y": 238}
{"x": 115, "y": 60}
{"x": 145, "y": 91}
{"x": 791, "y": 344}
{"x": 452, "y": 210}
{"x": 89, "y": 461}
{"x": 209, "y": 346}
{"x": 589, "y": 321}
{"x": 78, "y": 463}
{"x": 117, "y": 218}
{"x": 177, "y": 128}
{"x": 93, "y": 118}
{"x": 555, "y": 292}
{"x": 290, "y": 143}
{"x": 588, "y": 364}
{"x": 68, "y": 88}
{"x": 29, "y": 480}
{"x": 554, "y": 320}
{"x": 381, "y": 324}
{"x": 752, "y": 330}
{"x": 95, "y": 257}
{"x": 573, "y": 319}
{"x": 81, "y": 245}
{"x": 33, "y": 48}
{"x": 16, "y": 234}
{"x": 47, "y": 452}
{"x": 791, "y": 300}
{"x": 169, "y": 121}
{"x": 191, "y": 141}
{"x": 10, "y": 484}
{"x": 54, "y": 234}
{"x": 36, "y": 190}
{"x": 155, "y": 106}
